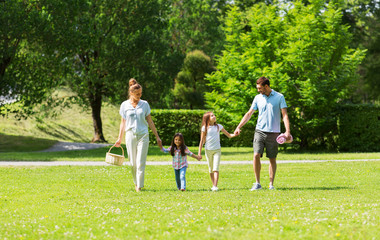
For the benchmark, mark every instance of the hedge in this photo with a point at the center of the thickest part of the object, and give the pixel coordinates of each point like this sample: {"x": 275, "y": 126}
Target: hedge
{"x": 188, "y": 122}
{"x": 359, "y": 128}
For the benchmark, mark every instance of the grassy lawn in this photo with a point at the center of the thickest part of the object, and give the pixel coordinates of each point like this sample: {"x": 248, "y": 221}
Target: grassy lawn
{"x": 228, "y": 154}
{"x": 71, "y": 125}
{"x": 320, "y": 201}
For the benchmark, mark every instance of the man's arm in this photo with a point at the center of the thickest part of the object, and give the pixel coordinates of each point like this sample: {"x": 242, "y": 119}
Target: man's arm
{"x": 244, "y": 120}
{"x": 285, "y": 118}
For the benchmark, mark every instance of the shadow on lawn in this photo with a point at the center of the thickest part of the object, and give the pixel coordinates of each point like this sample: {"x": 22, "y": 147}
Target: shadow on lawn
{"x": 12, "y": 143}
{"x": 314, "y": 188}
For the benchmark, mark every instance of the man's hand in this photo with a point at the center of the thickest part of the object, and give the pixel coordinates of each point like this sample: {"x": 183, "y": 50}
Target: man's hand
{"x": 287, "y": 135}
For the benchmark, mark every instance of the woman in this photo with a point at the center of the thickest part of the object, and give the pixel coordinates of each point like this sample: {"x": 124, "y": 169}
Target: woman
{"x": 135, "y": 119}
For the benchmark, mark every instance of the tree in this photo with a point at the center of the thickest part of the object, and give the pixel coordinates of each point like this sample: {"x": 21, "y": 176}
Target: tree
{"x": 303, "y": 49}
{"x": 363, "y": 17}
{"x": 193, "y": 25}
{"x": 104, "y": 43}
{"x": 25, "y": 74}
{"x": 190, "y": 82}
{"x": 196, "y": 25}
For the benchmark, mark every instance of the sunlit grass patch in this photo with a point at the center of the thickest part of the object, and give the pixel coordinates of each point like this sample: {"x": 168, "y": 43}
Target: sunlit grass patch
{"x": 312, "y": 201}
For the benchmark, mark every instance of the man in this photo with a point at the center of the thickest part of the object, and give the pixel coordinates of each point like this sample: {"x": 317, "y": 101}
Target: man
{"x": 270, "y": 105}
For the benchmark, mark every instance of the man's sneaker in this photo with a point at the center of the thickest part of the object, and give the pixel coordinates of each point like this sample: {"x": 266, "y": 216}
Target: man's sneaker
{"x": 214, "y": 188}
{"x": 256, "y": 186}
{"x": 271, "y": 187}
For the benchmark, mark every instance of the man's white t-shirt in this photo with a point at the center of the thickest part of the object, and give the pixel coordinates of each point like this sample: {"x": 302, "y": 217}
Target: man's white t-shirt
{"x": 212, "y": 137}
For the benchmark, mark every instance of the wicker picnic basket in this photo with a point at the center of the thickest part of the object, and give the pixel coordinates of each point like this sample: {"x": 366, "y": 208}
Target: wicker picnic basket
{"x": 115, "y": 159}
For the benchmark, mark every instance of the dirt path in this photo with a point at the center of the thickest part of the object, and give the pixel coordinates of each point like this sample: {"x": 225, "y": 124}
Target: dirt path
{"x": 68, "y": 146}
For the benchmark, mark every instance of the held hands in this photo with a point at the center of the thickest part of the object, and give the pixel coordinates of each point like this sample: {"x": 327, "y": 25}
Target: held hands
{"x": 159, "y": 142}
{"x": 237, "y": 132}
{"x": 198, "y": 157}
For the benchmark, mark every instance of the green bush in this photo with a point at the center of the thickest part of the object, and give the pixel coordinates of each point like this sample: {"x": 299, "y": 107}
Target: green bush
{"x": 358, "y": 128}
{"x": 188, "y": 122}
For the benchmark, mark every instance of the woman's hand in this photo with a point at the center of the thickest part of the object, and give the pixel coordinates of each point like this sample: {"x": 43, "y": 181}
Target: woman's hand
{"x": 117, "y": 143}
{"x": 159, "y": 142}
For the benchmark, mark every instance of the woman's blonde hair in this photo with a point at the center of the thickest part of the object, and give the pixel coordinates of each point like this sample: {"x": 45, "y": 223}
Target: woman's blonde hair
{"x": 133, "y": 85}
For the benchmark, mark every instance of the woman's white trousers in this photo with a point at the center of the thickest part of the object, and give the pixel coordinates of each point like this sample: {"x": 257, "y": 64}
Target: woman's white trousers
{"x": 137, "y": 149}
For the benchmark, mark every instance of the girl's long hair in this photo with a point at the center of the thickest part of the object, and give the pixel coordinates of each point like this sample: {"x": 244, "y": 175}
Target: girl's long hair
{"x": 206, "y": 121}
{"x": 174, "y": 147}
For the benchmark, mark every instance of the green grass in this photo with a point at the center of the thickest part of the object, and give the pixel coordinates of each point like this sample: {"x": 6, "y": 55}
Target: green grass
{"x": 71, "y": 125}
{"x": 228, "y": 154}
{"x": 319, "y": 201}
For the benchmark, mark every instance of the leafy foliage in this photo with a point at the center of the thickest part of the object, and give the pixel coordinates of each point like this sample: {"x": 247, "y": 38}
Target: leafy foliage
{"x": 105, "y": 43}
{"x": 188, "y": 122}
{"x": 25, "y": 65}
{"x": 303, "y": 49}
{"x": 358, "y": 127}
{"x": 190, "y": 82}
{"x": 363, "y": 17}
{"x": 196, "y": 24}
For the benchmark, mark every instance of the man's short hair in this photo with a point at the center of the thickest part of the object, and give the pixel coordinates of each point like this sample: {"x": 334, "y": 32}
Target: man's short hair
{"x": 263, "y": 81}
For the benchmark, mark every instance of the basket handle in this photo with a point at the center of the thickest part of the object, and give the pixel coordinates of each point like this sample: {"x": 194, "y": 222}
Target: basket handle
{"x": 119, "y": 147}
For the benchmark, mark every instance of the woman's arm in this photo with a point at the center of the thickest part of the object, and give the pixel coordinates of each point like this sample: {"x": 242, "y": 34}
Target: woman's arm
{"x": 154, "y": 130}
{"x": 228, "y": 134}
{"x": 121, "y": 132}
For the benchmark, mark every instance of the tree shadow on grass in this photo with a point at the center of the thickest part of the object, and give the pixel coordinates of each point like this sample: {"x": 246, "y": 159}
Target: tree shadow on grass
{"x": 12, "y": 143}
{"x": 60, "y": 131}
{"x": 314, "y": 188}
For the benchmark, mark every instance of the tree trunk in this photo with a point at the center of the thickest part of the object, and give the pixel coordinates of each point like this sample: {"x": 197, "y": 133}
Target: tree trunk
{"x": 96, "y": 106}
{"x": 4, "y": 65}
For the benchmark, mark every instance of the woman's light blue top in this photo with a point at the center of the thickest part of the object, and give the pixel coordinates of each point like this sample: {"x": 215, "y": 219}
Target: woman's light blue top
{"x": 135, "y": 116}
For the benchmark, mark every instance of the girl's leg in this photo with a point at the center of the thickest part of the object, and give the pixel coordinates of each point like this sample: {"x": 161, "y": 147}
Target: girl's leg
{"x": 209, "y": 156}
{"x": 142, "y": 152}
{"x": 212, "y": 178}
{"x": 183, "y": 178}
{"x": 216, "y": 157}
{"x": 177, "y": 178}
{"x": 216, "y": 178}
